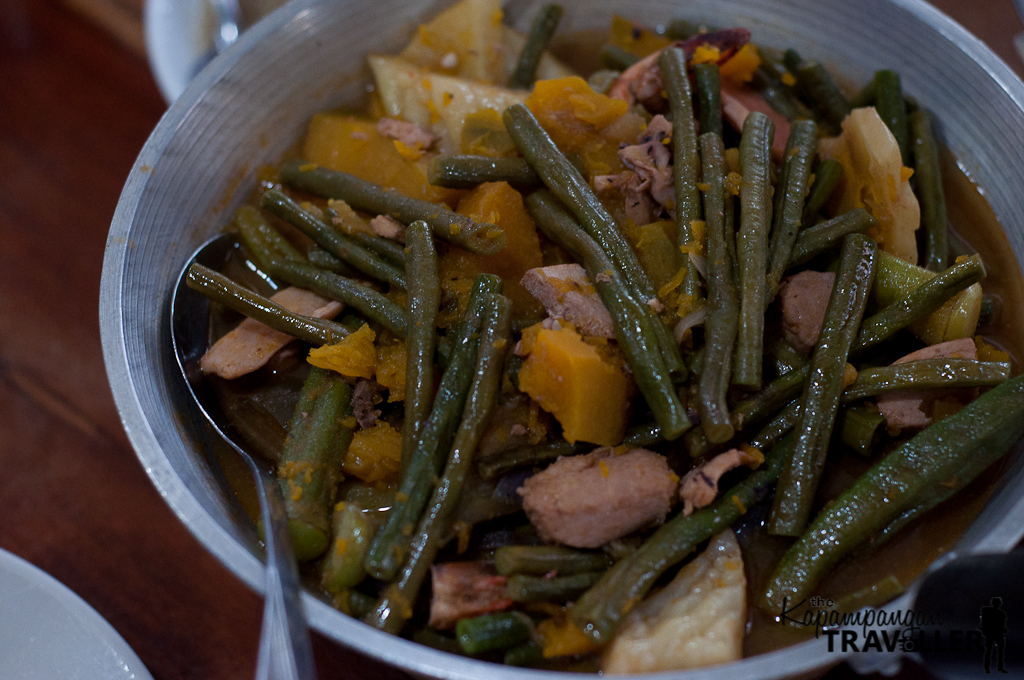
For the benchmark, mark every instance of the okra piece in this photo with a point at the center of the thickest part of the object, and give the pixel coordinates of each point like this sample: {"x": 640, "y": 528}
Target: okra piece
{"x": 220, "y": 288}
{"x": 493, "y": 631}
{"x": 391, "y": 544}
{"x": 447, "y": 225}
{"x": 600, "y": 611}
{"x": 337, "y": 244}
{"x": 709, "y": 98}
{"x": 543, "y": 28}
{"x": 787, "y": 215}
{"x": 915, "y": 477}
{"x": 522, "y": 588}
{"x": 351, "y": 532}
{"x": 421, "y": 333}
{"x": 814, "y": 241}
{"x": 827, "y": 176}
{"x": 799, "y": 480}
{"x": 686, "y": 162}
{"x": 930, "y": 194}
{"x": 311, "y": 460}
{"x": 466, "y": 172}
{"x": 860, "y": 429}
{"x": 393, "y": 610}
{"x": 538, "y": 560}
{"x": 752, "y": 247}
{"x": 723, "y": 301}
{"x": 892, "y": 109}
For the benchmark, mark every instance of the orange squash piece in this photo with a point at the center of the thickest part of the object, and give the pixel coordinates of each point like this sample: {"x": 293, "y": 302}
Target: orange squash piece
{"x": 353, "y": 357}
{"x": 375, "y": 454}
{"x": 353, "y": 145}
{"x": 587, "y": 393}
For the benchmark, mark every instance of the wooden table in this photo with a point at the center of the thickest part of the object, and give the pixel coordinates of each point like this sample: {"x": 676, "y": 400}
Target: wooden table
{"x": 76, "y": 106}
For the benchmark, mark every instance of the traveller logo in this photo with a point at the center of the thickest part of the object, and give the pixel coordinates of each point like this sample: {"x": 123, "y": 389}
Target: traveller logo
{"x": 902, "y": 630}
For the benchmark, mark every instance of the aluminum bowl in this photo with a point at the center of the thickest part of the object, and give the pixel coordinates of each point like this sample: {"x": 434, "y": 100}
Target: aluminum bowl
{"x": 255, "y": 100}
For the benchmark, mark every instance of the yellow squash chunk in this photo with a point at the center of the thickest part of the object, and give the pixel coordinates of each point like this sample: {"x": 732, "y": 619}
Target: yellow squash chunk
{"x": 587, "y": 393}
{"x": 465, "y": 41}
{"x": 874, "y": 179}
{"x": 561, "y": 637}
{"x": 391, "y": 370}
{"x": 740, "y": 67}
{"x": 353, "y": 357}
{"x": 375, "y": 454}
{"x": 633, "y": 38}
{"x": 585, "y": 123}
{"x": 435, "y": 101}
{"x": 353, "y": 145}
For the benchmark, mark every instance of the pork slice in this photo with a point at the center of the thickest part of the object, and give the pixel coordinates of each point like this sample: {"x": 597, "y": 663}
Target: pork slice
{"x": 567, "y": 293}
{"x": 803, "y": 299}
{"x": 251, "y": 344}
{"x": 910, "y": 408}
{"x": 738, "y": 102}
{"x": 462, "y": 590}
{"x": 650, "y": 158}
{"x": 410, "y": 134}
{"x": 699, "y": 486}
{"x": 588, "y": 500}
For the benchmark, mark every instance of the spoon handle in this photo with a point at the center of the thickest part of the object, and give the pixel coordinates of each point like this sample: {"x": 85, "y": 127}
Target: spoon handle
{"x": 285, "y": 652}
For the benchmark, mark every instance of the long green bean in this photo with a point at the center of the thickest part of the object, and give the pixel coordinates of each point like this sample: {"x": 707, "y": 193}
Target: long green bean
{"x": 523, "y": 588}
{"x": 351, "y": 532}
{"x": 248, "y": 220}
{"x": 813, "y": 241}
{"x": 395, "y": 606}
{"x": 799, "y": 480}
{"x": 390, "y": 546}
{"x": 926, "y": 374}
{"x": 787, "y": 215}
{"x": 709, "y": 98}
{"x": 538, "y": 560}
{"x": 928, "y": 183}
{"x": 421, "y": 333}
{"x": 220, "y": 288}
{"x": 543, "y": 28}
{"x": 860, "y": 429}
{"x": 915, "y": 477}
{"x": 482, "y": 238}
{"x": 616, "y": 58}
{"x": 892, "y": 110}
{"x": 493, "y": 631}
{"x": 752, "y": 247}
{"x": 466, "y": 172}
{"x": 723, "y": 301}
{"x": 821, "y": 92}
{"x": 332, "y": 241}
{"x": 321, "y": 259}
{"x": 827, "y": 176}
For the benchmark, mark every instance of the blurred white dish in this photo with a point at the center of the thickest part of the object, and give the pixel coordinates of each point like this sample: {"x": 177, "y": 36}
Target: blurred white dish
{"x": 49, "y": 633}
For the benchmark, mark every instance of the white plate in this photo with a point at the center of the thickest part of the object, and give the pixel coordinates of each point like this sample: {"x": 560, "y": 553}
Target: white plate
{"x": 49, "y": 633}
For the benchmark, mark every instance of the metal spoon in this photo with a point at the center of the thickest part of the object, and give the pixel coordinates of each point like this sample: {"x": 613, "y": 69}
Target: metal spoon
{"x": 285, "y": 652}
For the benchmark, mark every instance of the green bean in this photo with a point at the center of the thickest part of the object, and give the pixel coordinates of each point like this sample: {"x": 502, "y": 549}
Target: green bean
{"x": 778, "y": 427}
{"x": 815, "y": 240}
{"x": 709, "y": 98}
{"x": 543, "y": 27}
{"x": 892, "y": 110}
{"x": 799, "y": 480}
{"x": 395, "y": 605}
{"x": 635, "y": 325}
{"x": 311, "y": 460}
{"x": 220, "y": 288}
{"x": 792, "y": 59}
{"x": 354, "y": 603}
{"x": 752, "y": 247}
{"x": 466, "y": 172}
{"x": 391, "y": 251}
{"x": 686, "y": 162}
{"x": 919, "y": 302}
{"x": 926, "y": 374}
{"x": 339, "y": 245}
{"x": 859, "y": 429}
{"x": 321, "y": 259}
{"x": 524, "y": 654}
{"x": 827, "y": 176}
{"x": 481, "y": 238}
{"x": 866, "y": 97}
{"x": 437, "y": 640}
{"x": 390, "y": 546}
{"x": 249, "y": 221}
{"x": 915, "y": 477}
{"x": 498, "y": 465}
{"x": 539, "y": 560}
{"x": 600, "y": 611}
{"x": 989, "y": 310}
{"x": 723, "y": 303}
{"x": 821, "y": 92}
{"x": 421, "y": 333}
{"x": 681, "y": 29}
{"x": 351, "y": 532}
{"x": 875, "y": 595}
{"x": 616, "y": 58}
{"x": 928, "y": 182}
{"x": 523, "y": 588}
{"x": 787, "y": 357}
{"x": 493, "y": 631}
{"x": 787, "y": 214}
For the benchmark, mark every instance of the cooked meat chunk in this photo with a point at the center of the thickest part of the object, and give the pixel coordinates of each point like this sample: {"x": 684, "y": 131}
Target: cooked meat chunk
{"x": 460, "y": 590}
{"x": 567, "y": 293}
{"x": 738, "y": 102}
{"x": 410, "y": 134}
{"x": 251, "y": 344}
{"x": 364, "y": 397}
{"x": 803, "y": 299}
{"x": 585, "y": 501}
{"x": 650, "y": 158}
{"x": 388, "y": 227}
{"x": 912, "y": 408}
{"x": 700, "y": 485}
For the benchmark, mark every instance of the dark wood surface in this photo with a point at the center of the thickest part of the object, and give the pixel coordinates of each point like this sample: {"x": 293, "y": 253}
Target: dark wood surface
{"x": 76, "y": 106}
